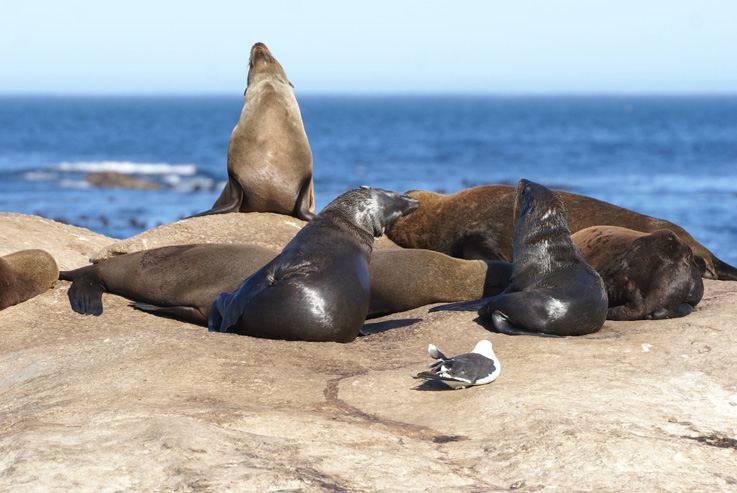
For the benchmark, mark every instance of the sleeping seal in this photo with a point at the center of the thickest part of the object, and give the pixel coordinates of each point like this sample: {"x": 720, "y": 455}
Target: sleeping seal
{"x": 24, "y": 275}
{"x": 647, "y": 276}
{"x": 553, "y": 290}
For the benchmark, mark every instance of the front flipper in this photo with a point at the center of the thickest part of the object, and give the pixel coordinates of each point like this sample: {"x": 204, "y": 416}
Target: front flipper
{"x": 228, "y": 308}
{"x": 85, "y": 295}
{"x": 188, "y": 313}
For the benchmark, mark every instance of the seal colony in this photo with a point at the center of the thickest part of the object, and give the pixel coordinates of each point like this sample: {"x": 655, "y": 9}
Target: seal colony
{"x": 510, "y": 249}
{"x": 553, "y": 290}
{"x": 473, "y": 223}
{"x": 269, "y": 156}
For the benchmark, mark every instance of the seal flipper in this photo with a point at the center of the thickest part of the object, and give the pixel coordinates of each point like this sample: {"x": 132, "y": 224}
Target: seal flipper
{"x": 504, "y": 326}
{"x": 188, "y": 313}
{"x": 85, "y": 294}
{"x": 724, "y": 271}
{"x": 230, "y": 200}
{"x": 304, "y": 201}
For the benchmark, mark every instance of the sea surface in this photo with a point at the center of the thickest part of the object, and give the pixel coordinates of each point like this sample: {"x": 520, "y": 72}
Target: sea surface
{"x": 673, "y": 158}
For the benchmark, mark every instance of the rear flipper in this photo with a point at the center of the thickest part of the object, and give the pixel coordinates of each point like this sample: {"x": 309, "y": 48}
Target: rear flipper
{"x": 85, "y": 295}
{"x": 304, "y": 202}
{"x": 504, "y": 326}
{"x": 230, "y": 200}
{"x": 724, "y": 271}
{"x": 188, "y": 313}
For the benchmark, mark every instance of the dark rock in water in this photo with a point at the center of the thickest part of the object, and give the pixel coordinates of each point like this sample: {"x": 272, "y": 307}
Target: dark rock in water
{"x": 112, "y": 179}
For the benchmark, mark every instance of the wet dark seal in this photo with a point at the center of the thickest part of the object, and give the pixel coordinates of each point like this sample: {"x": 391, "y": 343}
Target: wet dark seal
{"x": 647, "y": 276}
{"x": 553, "y": 290}
{"x": 183, "y": 281}
{"x": 24, "y": 275}
{"x": 269, "y": 156}
{"x": 474, "y": 224}
{"x": 317, "y": 288}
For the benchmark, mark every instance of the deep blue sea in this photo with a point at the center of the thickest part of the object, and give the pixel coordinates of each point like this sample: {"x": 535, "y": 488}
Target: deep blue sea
{"x": 670, "y": 157}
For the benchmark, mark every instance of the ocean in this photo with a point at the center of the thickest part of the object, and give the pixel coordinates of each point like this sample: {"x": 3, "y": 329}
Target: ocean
{"x": 673, "y": 158}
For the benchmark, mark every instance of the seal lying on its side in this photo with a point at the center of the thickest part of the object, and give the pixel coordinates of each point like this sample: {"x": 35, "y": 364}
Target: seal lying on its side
{"x": 317, "y": 288}
{"x": 647, "y": 276}
{"x": 24, "y": 275}
{"x": 185, "y": 280}
{"x": 269, "y": 156}
{"x": 553, "y": 290}
{"x": 474, "y": 223}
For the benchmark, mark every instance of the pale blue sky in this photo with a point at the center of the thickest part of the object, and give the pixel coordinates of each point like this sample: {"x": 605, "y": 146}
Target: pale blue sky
{"x": 428, "y": 46}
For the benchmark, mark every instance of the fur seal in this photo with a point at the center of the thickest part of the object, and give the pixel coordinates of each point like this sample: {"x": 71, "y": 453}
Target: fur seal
{"x": 647, "y": 276}
{"x": 179, "y": 280}
{"x": 269, "y": 156}
{"x": 474, "y": 223}
{"x": 553, "y": 290}
{"x": 185, "y": 280}
{"x": 317, "y": 289}
{"x": 24, "y": 275}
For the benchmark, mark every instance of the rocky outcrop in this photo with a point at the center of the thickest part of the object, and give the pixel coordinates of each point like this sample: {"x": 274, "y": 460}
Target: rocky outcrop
{"x": 130, "y": 402}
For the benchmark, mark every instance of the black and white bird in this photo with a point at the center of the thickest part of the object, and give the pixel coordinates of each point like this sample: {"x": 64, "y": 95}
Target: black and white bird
{"x": 478, "y": 367}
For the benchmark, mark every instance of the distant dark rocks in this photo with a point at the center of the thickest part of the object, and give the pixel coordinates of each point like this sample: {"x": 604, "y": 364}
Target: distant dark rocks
{"x": 112, "y": 179}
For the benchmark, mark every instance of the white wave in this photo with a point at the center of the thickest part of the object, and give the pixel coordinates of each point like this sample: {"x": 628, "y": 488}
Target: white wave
{"x": 128, "y": 168}
{"x": 40, "y": 176}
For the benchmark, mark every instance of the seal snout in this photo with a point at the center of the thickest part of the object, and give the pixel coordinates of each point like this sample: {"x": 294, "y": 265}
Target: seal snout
{"x": 260, "y": 53}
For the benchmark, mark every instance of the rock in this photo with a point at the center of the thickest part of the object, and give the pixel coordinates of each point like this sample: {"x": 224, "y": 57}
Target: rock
{"x": 112, "y": 179}
{"x": 131, "y": 401}
{"x": 265, "y": 229}
{"x": 70, "y": 246}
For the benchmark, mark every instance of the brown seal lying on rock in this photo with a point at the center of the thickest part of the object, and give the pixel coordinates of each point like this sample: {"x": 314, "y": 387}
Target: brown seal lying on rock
{"x": 553, "y": 290}
{"x": 25, "y": 274}
{"x": 476, "y": 223}
{"x": 184, "y": 280}
{"x": 269, "y": 156}
{"x": 647, "y": 276}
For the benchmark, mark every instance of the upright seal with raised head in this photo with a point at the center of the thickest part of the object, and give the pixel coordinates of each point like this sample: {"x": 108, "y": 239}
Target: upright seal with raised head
{"x": 317, "y": 288}
{"x": 647, "y": 276}
{"x": 553, "y": 290}
{"x": 269, "y": 156}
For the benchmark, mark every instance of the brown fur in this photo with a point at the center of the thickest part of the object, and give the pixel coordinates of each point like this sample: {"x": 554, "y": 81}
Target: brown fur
{"x": 25, "y": 274}
{"x": 478, "y": 223}
{"x": 269, "y": 156}
{"x": 646, "y": 275}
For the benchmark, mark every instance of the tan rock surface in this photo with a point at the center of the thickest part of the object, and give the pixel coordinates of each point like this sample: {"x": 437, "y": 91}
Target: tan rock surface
{"x": 130, "y": 401}
{"x": 70, "y": 246}
{"x": 256, "y": 228}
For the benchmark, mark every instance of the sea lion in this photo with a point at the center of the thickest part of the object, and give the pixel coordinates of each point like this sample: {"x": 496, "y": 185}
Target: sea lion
{"x": 474, "y": 223}
{"x": 185, "y": 280}
{"x": 553, "y": 290}
{"x": 317, "y": 288}
{"x": 179, "y": 280}
{"x": 269, "y": 157}
{"x": 647, "y": 276}
{"x": 24, "y": 275}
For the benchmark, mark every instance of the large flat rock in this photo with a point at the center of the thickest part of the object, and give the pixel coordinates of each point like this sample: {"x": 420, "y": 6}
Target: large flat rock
{"x": 133, "y": 402}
